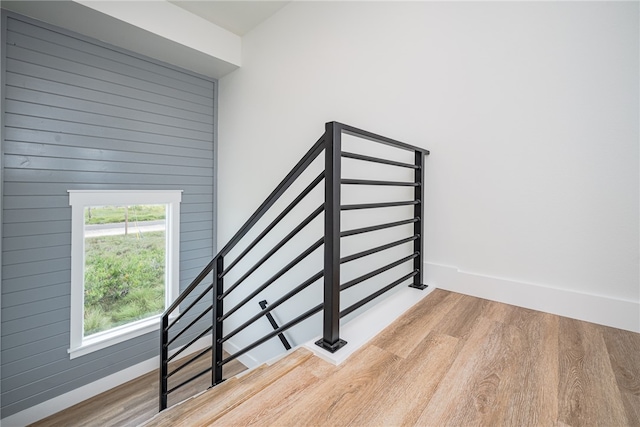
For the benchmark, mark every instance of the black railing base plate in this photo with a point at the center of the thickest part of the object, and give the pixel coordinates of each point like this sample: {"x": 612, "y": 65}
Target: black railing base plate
{"x": 329, "y": 347}
{"x": 421, "y": 287}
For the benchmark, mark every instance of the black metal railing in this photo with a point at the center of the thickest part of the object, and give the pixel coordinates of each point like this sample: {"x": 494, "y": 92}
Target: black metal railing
{"x": 209, "y": 299}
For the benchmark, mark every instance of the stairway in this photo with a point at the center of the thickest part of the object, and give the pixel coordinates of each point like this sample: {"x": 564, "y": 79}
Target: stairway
{"x": 218, "y": 301}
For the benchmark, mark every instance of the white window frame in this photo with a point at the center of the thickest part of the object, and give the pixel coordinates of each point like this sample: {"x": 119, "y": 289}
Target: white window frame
{"x": 79, "y": 199}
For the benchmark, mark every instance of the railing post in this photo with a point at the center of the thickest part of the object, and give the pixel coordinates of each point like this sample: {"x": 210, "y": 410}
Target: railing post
{"x": 216, "y": 344}
{"x": 164, "y": 355}
{"x": 331, "y": 315}
{"x": 418, "y": 227}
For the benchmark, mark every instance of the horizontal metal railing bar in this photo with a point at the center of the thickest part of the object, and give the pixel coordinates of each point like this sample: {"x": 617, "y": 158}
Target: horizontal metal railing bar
{"x": 275, "y": 222}
{"x": 377, "y": 271}
{"x": 191, "y": 360}
{"x": 187, "y": 291}
{"x": 374, "y": 182}
{"x": 377, "y": 249}
{"x": 289, "y": 179}
{"x": 277, "y": 247}
{"x": 273, "y": 278}
{"x": 186, "y": 310}
{"x": 350, "y": 130}
{"x": 376, "y": 294}
{"x": 278, "y": 302}
{"x": 190, "y": 343}
{"x": 275, "y": 332}
{"x": 193, "y": 322}
{"x": 378, "y": 160}
{"x": 355, "y": 231}
{"x": 297, "y": 170}
{"x": 378, "y": 205}
{"x": 198, "y": 375}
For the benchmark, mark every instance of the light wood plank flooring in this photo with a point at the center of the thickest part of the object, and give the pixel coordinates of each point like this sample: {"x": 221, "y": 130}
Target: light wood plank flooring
{"x": 136, "y": 401}
{"x": 452, "y": 360}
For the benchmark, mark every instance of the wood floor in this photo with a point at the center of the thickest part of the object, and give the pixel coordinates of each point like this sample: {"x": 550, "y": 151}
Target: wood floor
{"x": 452, "y": 360}
{"x": 136, "y": 401}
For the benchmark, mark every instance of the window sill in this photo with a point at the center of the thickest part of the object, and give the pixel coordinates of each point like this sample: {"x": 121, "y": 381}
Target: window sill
{"x": 114, "y": 336}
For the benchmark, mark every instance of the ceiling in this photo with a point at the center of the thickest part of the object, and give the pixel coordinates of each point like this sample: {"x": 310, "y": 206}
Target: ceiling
{"x": 237, "y": 16}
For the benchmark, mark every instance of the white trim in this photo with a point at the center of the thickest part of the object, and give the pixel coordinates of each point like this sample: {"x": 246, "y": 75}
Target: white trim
{"x": 116, "y": 335}
{"x": 603, "y": 310}
{"x": 80, "y": 394}
{"x": 79, "y": 199}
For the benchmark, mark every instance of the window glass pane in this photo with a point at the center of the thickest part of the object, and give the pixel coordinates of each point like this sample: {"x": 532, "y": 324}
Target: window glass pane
{"x": 124, "y": 265}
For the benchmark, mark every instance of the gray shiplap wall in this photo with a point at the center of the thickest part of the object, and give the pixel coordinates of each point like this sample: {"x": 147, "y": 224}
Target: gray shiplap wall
{"x": 83, "y": 115}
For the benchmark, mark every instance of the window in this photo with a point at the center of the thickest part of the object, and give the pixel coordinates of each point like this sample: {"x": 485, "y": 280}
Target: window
{"x": 124, "y": 264}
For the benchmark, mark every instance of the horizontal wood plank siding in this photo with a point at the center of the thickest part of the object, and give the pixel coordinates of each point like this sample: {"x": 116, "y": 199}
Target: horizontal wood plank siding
{"x": 81, "y": 115}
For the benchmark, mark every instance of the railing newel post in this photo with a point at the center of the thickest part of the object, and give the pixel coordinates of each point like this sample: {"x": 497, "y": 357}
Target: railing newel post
{"x": 332, "y": 177}
{"x": 216, "y": 336}
{"x": 164, "y": 355}
{"x": 418, "y": 226}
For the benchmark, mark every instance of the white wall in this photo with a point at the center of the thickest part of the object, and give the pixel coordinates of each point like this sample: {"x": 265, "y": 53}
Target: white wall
{"x": 530, "y": 111}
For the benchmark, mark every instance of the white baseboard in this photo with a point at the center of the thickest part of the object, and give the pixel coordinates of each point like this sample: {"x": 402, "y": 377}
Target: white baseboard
{"x": 603, "y": 310}
{"x": 64, "y": 401}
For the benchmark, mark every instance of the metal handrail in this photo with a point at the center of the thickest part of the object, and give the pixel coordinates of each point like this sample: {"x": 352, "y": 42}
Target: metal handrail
{"x": 291, "y": 177}
{"x": 275, "y": 249}
{"x": 330, "y": 143}
{"x": 297, "y": 170}
{"x": 355, "y": 156}
{"x": 304, "y": 285}
{"x": 273, "y": 278}
{"x": 361, "y": 133}
{"x": 275, "y": 222}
